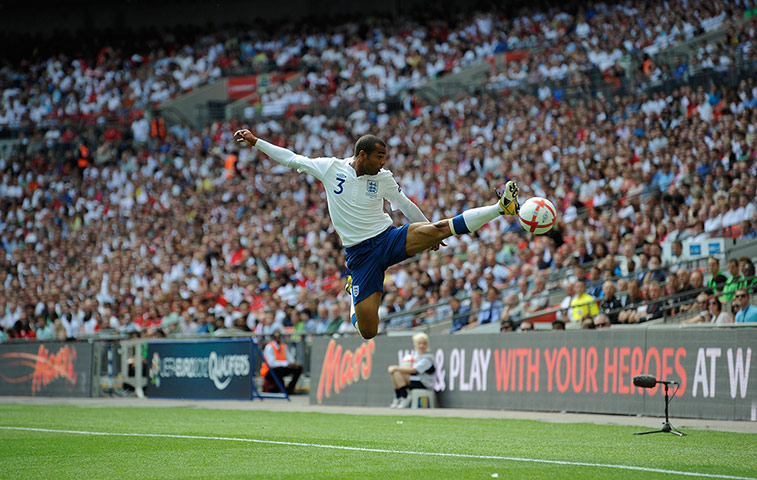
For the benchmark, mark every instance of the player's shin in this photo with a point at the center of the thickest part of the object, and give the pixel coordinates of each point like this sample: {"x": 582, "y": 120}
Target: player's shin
{"x": 473, "y": 219}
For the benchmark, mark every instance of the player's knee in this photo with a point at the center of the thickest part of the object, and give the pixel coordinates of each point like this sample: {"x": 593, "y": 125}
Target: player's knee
{"x": 368, "y": 332}
{"x": 441, "y": 229}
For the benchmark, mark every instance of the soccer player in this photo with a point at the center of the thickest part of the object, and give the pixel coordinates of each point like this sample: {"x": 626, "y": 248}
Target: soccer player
{"x": 355, "y": 191}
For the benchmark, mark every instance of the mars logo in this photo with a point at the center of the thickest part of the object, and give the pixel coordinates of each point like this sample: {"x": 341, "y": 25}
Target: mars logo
{"x": 342, "y": 369}
{"x": 45, "y": 366}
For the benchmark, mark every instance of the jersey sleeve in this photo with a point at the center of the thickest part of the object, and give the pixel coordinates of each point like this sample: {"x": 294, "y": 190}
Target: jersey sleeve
{"x": 317, "y": 167}
{"x": 398, "y": 200}
{"x": 423, "y": 364}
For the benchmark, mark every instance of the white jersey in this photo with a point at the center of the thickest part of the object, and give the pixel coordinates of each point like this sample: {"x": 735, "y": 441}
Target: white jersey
{"x": 356, "y": 204}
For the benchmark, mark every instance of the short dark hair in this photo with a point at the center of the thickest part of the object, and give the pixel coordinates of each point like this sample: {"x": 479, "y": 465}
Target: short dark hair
{"x": 368, "y": 144}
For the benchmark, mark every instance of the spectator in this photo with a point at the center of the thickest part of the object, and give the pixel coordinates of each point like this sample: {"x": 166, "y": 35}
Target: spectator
{"x": 747, "y": 312}
{"x": 595, "y": 282}
{"x": 748, "y": 229}
{"x": 697, "y": 281}
{"x": 733, "y": 281}
{"x": 278, "y": 360}
{"x": 507, "y": 325}
{"x": 610, "y": 304}
{"x": 538, "y": 298}
{"x": 601, "y": 321}
{"x": 475, "y": 306}
{"x": 558, "y": 325}
{"x": 401, "y": 320}
{"x": 653, "y": 310}
{"x": 444, "y": 310}
{"x": 675, "y": 293}
{"x": 526, "y": 326}
{"x": 749, "y": 282}
{"x": 44, "y": 330}
{"x": 676, "y": 252}
{"x": 321, "y": 320}
{"x": 702, "y": 309}
{"x": 335, "y": 319}
{"x": 716, "y": 312}
{"x": 717, "y": 278}
{"x": 655, "y": 272}
{"x": 417, "y": 373}
{"x": 458, "y": 314}
{"x": 582, "y": 304}
{"x": 684, "y": 296}
{"x": 491, "y": 308}
{"x": 642, "y": 267}
{"x": 346, "y": 326}
{"x": 564, "y": 312}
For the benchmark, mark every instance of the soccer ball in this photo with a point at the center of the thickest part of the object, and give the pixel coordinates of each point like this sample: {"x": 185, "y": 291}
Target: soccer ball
{"x": 407, "y": 360}
{"x": 537, "y": 215}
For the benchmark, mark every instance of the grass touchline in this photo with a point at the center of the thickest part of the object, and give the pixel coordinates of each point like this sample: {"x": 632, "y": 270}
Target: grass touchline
{"x": 379, "y": 450}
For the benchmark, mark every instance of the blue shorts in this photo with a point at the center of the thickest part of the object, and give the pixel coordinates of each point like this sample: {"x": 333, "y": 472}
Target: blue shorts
{"x": 369, "y": 259}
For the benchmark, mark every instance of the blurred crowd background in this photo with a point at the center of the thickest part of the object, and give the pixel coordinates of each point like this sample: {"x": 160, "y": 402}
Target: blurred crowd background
{"x": 118, "y": 218}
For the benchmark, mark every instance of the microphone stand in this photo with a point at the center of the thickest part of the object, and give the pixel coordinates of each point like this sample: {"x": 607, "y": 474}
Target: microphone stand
{"x": 666, "y": 427}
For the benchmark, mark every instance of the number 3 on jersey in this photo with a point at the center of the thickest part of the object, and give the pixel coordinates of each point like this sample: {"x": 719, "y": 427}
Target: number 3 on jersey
{"x": 340, "y": 182}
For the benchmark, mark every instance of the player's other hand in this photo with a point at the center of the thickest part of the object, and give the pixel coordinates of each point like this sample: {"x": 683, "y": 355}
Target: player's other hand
{"x": 436, "y": 247}
{"x": 246, "y": 136}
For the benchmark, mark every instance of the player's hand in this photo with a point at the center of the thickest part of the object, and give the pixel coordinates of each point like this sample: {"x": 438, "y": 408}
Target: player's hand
{"x": 246, "y": 136}
{"x": 436, "y": 247}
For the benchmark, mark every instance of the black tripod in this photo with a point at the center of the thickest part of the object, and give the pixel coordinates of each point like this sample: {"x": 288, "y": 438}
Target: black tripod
{"x": 666, "y": 427}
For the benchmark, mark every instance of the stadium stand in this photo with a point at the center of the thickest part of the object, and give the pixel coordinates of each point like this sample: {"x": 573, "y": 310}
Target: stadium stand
{"x": 114, "y": 219}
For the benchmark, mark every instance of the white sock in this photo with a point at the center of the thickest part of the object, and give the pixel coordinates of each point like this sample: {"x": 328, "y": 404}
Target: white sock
{"x": 473, "y": 219}
{"x": 353, "y": 315}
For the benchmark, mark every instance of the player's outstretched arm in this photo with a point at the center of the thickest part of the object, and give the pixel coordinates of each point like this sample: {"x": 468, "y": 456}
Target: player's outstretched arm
{"x": 246, "y": 136}
{"x": 281, "y": 155}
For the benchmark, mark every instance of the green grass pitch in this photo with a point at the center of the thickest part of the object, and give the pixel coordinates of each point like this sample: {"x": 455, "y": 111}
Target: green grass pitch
{"x": 305, "y": 446}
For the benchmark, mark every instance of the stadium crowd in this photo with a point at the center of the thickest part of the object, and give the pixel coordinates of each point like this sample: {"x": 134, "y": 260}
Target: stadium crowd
{"x": 113, "y": 225}
{"x": 350, "y": 62}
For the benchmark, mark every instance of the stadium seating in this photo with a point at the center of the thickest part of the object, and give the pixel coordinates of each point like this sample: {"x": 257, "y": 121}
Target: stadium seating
{"x": 113, "y": 221}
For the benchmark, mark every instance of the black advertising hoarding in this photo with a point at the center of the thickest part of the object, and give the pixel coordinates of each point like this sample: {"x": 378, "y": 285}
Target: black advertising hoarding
{"x": 573, "y": 371}
{"x": 52, "y": 369}
{"x": 201, "y": 370}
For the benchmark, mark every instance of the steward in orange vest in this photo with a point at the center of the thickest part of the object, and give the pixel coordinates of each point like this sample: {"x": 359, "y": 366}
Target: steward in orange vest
{"x": 83, "y": 161}
{"x": 277, "y": 362}
{"x": 157, "y": 128}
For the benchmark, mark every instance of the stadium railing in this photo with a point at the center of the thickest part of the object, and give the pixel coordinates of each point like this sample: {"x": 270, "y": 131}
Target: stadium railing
{"x": 686, "y": 49}
{"x": 424, "y": 312}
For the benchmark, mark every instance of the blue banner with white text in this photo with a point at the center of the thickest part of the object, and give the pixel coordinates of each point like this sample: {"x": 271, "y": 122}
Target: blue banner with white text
{"x": 217, "y": 369}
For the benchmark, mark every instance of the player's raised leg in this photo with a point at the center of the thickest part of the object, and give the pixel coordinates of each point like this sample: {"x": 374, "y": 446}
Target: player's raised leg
{"x": 421, "y": 236}
{"x": 367, "y": 317}
{"x": 367, "y": 327}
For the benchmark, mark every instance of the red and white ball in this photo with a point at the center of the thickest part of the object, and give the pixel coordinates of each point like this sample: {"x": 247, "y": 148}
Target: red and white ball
{"x": 537, "y": 215}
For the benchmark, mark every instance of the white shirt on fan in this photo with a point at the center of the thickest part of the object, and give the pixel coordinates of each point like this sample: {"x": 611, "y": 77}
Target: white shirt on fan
{"x": 356, "y": 204}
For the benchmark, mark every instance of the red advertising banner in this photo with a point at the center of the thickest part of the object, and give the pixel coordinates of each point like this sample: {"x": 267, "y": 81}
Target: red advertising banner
{"x": 240, "y": 87}
{"x": 576, "y": 371}
{"x": 48, "y": 369}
